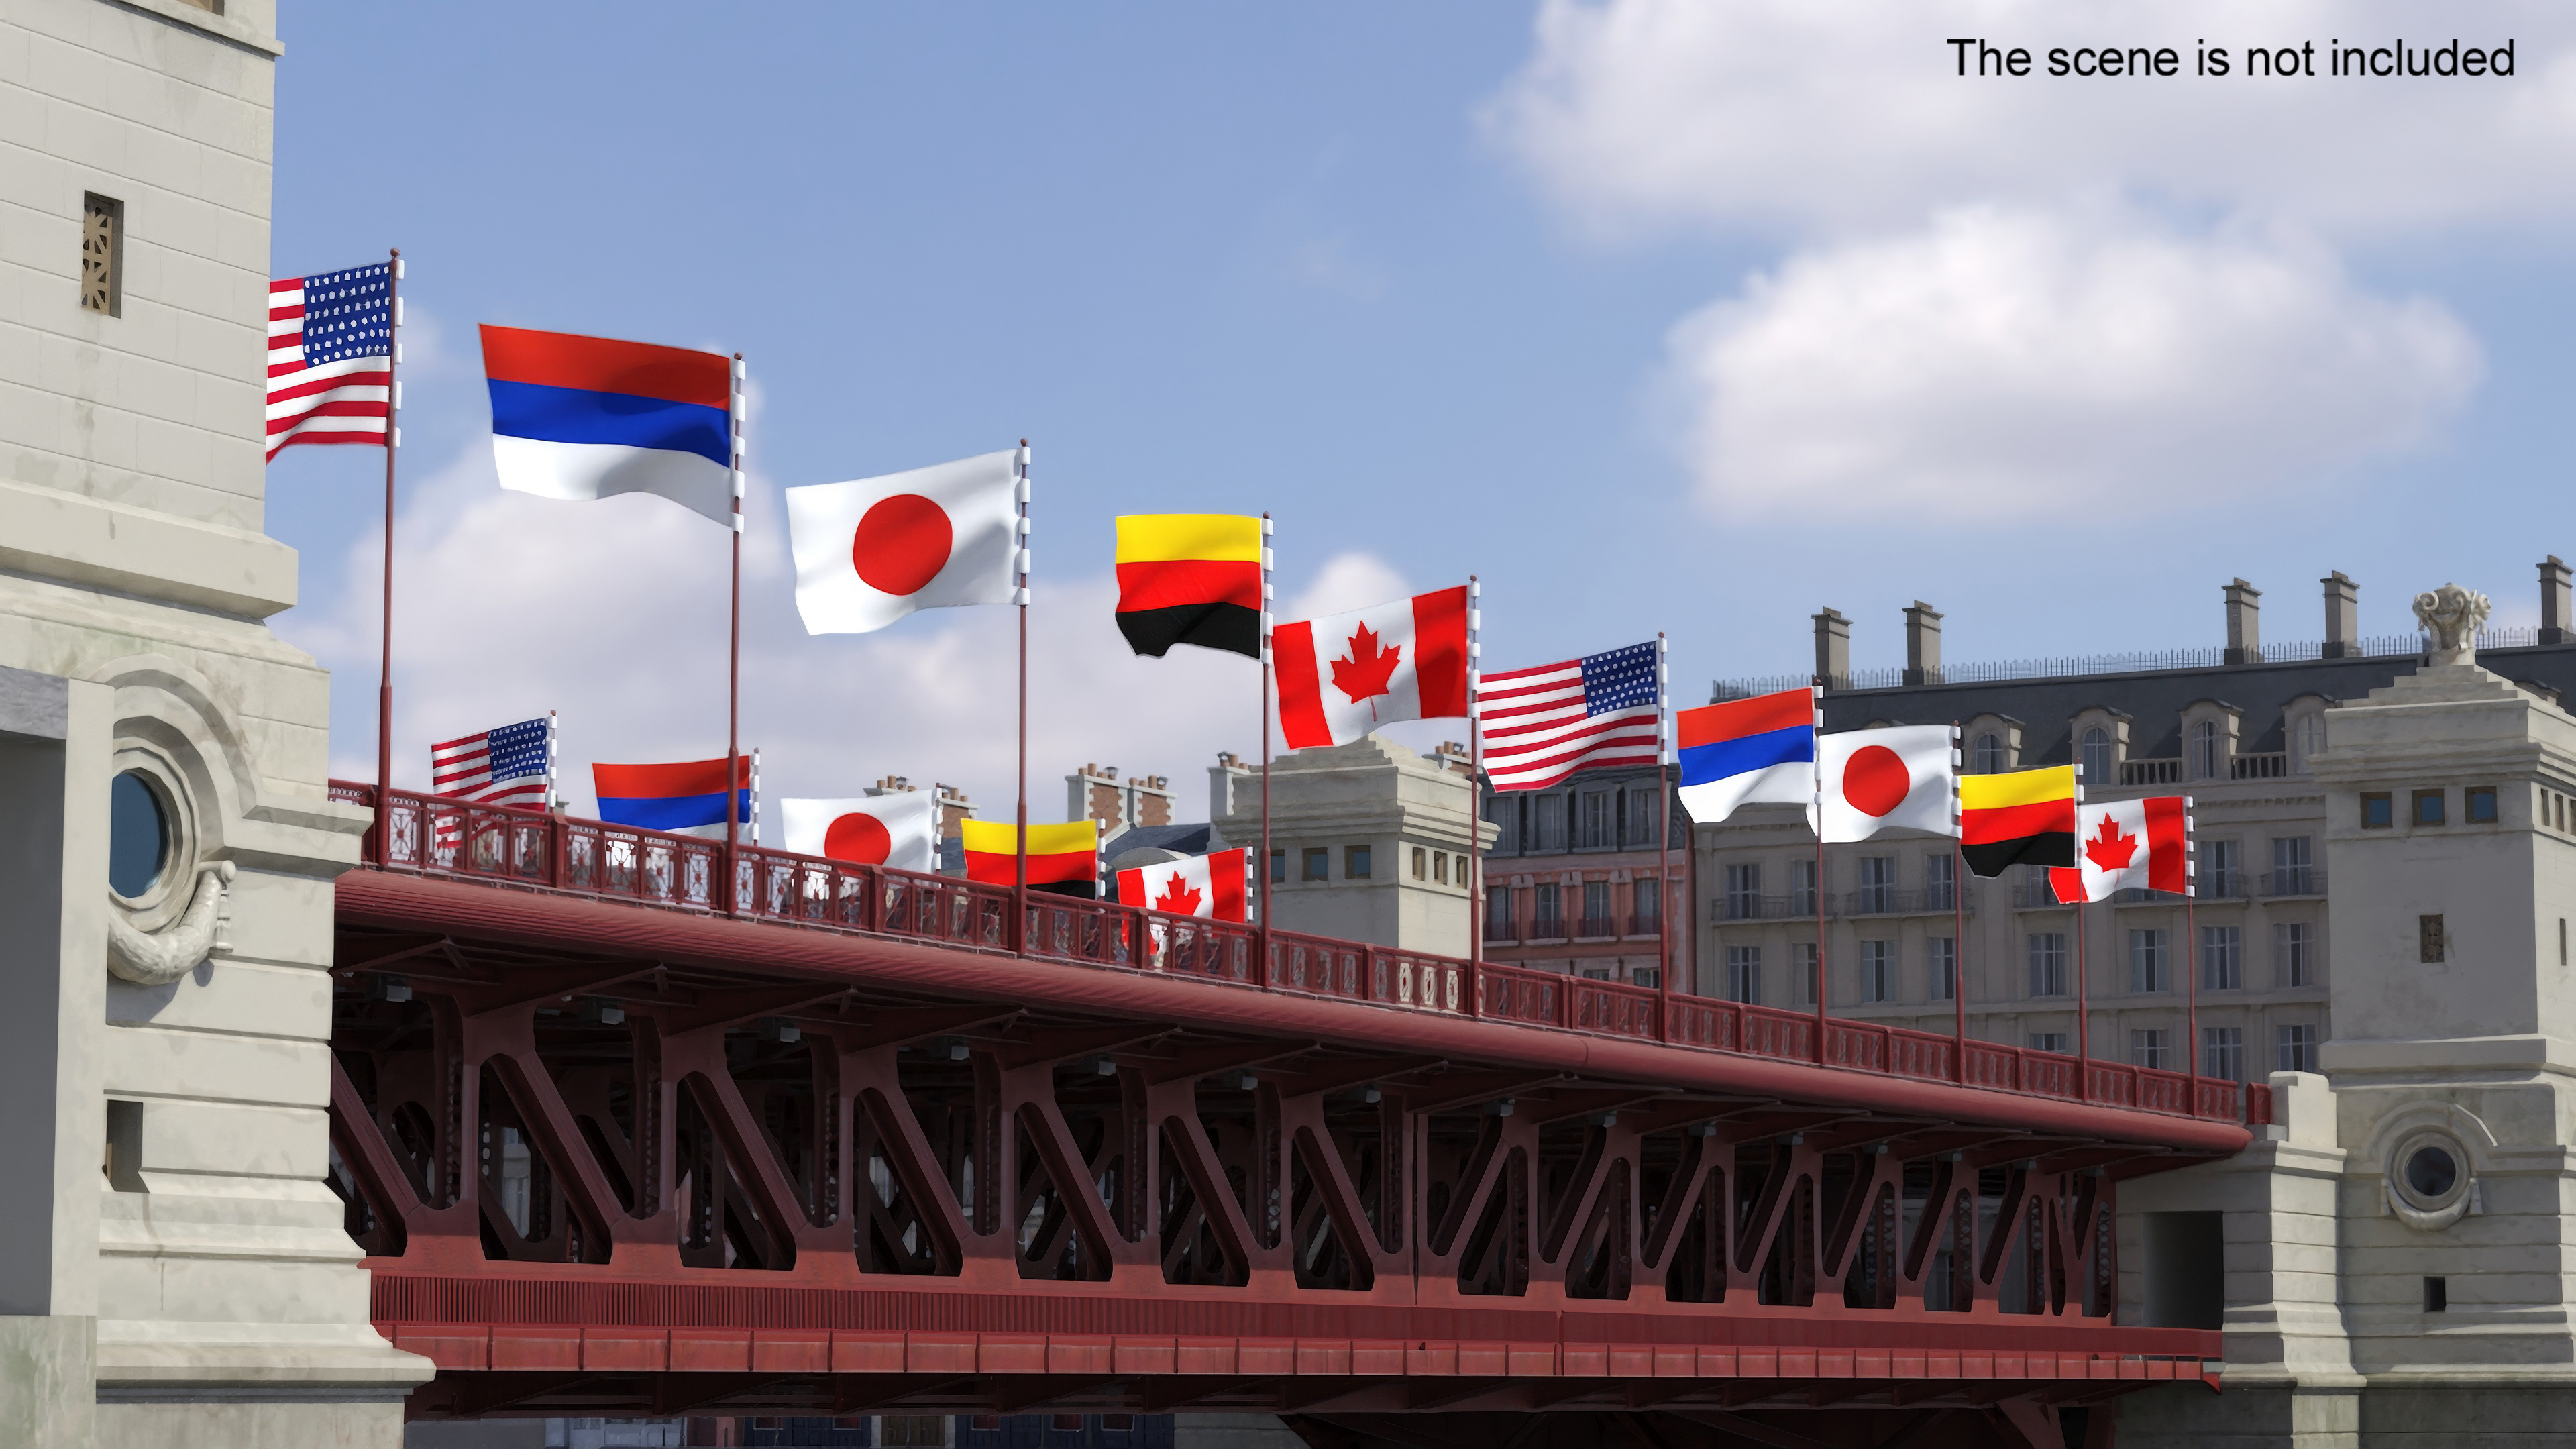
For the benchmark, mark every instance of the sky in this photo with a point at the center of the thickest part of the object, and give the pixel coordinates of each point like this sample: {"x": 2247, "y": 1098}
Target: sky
{"x": 1655, "y": 315}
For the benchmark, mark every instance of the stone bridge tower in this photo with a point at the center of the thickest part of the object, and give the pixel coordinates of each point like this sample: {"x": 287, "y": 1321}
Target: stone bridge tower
{"x": 173, "y": 1268}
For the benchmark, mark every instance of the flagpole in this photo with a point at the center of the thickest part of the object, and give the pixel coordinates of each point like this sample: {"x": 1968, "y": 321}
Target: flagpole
{"x": 2191, "y": 955}
{"x": 1816, "y": 817}
{"x": 1663, "y": 850}
{"x": 733, "y": 670}
{"x": 1475, "y": 811}
{"x": 393, "y": 443}
{"x": 1263, "y": 940}
{"x": 1020, "y": 865}
{"x": 1958, "y": 914}
{"x": 2083, "y": 981}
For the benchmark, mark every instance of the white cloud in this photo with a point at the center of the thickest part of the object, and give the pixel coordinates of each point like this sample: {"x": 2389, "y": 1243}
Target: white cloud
{"x": 1805, "y": 113}
{"x": 2005, "y": 362}
{"x": 615, "y": 613}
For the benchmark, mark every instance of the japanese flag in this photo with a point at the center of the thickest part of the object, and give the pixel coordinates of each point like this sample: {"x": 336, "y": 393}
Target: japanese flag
{"x": 1904, "y": 778}
{"x": 898, "y": 830}
{"x": 2128, "y": 845}
{"x": 1343, "y": 676}
{"x": 1198, "y": 885}
{"x": 872, "y": 551}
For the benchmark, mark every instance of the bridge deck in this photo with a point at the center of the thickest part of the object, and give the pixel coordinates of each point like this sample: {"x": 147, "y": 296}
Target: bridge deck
{"x": 612, "y": 1150}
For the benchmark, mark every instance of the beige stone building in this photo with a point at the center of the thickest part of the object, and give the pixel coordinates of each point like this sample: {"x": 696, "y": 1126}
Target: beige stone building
{"x": 1368, "y": 842}
{"x": 174, "y": 1270}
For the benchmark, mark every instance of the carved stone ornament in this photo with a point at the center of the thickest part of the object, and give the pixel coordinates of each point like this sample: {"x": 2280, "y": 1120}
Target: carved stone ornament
{"x": 160, "y": 957}
{"x": 2451, "y": 617}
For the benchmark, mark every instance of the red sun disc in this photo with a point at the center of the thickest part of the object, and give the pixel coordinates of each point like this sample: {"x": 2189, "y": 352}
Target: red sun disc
{"x": 859, "y": 839}
{"x": 1875, "y": 780}
{"x": 902, "y": 543}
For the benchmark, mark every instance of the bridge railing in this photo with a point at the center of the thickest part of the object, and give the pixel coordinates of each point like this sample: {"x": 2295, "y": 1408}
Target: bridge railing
{"x": 439, "y": 835}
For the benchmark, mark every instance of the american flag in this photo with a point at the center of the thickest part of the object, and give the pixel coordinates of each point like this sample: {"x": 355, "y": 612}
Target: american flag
{"x": 511, "y": 765}
{"x": 331, "y": 357}
{"x": 1544, "y": 724}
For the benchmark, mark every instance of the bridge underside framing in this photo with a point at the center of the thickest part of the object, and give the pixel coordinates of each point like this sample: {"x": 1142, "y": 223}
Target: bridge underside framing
{"x": 616, "y": 1161}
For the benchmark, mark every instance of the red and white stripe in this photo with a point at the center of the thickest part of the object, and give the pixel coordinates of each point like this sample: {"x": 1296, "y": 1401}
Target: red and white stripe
{"x": 349, "y": 401}
{"x": 1537, "y": 733}
{"x": 463, "y": 767}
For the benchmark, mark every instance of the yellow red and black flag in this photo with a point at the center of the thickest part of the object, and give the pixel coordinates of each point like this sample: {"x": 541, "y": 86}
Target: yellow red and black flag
{"x": 1190, "y": 578}
{"x": 2025, "y": 817}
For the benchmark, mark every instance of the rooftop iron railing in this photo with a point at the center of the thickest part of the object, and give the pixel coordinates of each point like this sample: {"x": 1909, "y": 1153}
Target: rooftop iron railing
{"x": 445, "y": 837}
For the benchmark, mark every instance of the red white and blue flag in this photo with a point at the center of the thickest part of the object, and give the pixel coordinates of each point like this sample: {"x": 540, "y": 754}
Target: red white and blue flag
{"x": 685, "y": 799}
{"x": 331, "y": 357}
{"x": 590, "y": 417}
{"x": 1543, "y": 724}
{"x": 1758, "y": 751}
{"x": 511, "y": 765}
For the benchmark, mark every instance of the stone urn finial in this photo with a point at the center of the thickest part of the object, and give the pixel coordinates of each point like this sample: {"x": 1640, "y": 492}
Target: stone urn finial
{"x": 2450, "y": 617}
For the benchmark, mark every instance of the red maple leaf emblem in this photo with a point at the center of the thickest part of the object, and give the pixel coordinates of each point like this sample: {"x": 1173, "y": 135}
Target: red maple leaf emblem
{"x": 1177, "y": 897}
{"x": 2111, "y": 848}
{"x": 1365, "y": 673}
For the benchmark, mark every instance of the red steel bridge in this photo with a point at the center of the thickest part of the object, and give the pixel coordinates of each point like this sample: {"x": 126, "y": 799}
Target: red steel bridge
{"x": 842, "y": 1140}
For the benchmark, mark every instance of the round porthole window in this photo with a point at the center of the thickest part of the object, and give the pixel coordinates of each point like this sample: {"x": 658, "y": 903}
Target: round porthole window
{"x": 2432, "y": 1172}
{"x": 138, "y": 835}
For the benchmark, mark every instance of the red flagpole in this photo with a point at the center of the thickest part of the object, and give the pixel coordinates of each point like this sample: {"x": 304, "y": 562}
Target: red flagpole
{"x": 1475, "y": 813}
{"x": 393, "y": 442}
{"x": 1958, "y": 915}
{"x": 1663, "y": 851}
{"x": 733, "y": 671}
{"x": 2191, "y": 954}
{"x": 1263, "y": 966}
{"x": 1818, "y": 690}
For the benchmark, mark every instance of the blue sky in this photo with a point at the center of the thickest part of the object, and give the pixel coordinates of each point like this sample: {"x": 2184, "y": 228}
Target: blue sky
{"x": 1656, "y": 316}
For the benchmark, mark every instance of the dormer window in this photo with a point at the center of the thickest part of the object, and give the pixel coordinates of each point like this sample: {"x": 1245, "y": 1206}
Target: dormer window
{"x": 2204, "y": 750}
{"x": 2097, "y": 757}
{"x": 1990, "y": 754}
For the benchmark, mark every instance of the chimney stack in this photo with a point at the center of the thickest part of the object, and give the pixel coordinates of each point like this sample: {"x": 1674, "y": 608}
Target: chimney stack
{"x": 2244, "y": 623}
{"x": 2343, "y": 616}
{"x": 1922, "y": 644}
{"x": 1833, "y": 649}
{"x": 2553, "y": 602}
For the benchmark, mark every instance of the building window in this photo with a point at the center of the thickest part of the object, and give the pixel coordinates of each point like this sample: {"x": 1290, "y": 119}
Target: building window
{"x": 2147, "y": 961}
{"x": 1744, "y": 974}
{"x": 1278, "y": 866}
{"x": 1940, "y": 878}
{"x": 1596, "y": 910}
{"x": 1743, "y": 892}
{"x": 2429, "y": 940}
{"x": 913, "y": 1431}
{"x": 2047, "y": 1041}
{"x": 1505, "y": 813}
{"x": 1319, "y": 863}
{"x": 2048, "y": 963}
{"x": 1941, "y": 967}
{"x": 102, "y": 284}
{"x": 1421, "y": 863}
{"x": 1547, "y": 920}
{"x": 2428, "y": 807}
{"x": 1355, "y": 862}
{"x": 1990, "y": 754}
{"x": 2222, "y": 1052}
{"x": 2149, "y": 1049}
{"x": 2375, "y": 812}
{"x": 2222, "y": 869}
{"x": 1645, "y": 807}
{"x": 1878, "y": 970}
{"x": 1547, "y": 825}
{"x": 1802, "y": 958}
{"x": 2307, "y": 737}
{"x": 2291, "y": 875}
{"x": 1802, "y": 887}
{"x": 2294, "y": 948}
{"x": 2222, "y": 958}
{"x": 1877, "y": 885}
{"x": 1649, "y": 915}
{"x": 1597, "y": 824}
{"x": 1440, "y": 868}
{"x": 2204, "y": 750}
{"x": 2298, "y": 1045}
{"x": 1498, "y": 913}
{"x": 2478, "y": 802}
{"x": 2097, "y": 758}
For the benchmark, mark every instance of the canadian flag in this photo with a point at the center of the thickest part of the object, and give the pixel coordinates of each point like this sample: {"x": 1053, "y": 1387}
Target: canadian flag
{"x": 2128, "y": 845}
{"x": 871, "y": 551}
{"x": 1342, "y": 677}
{"x": 1196, "y": 885}
{"x": 1904, "y": 777}
{"x": 898, "y": 829}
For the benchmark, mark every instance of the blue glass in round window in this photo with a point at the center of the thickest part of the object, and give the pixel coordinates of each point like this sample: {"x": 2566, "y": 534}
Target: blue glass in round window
{"x": 138, "y": 835}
